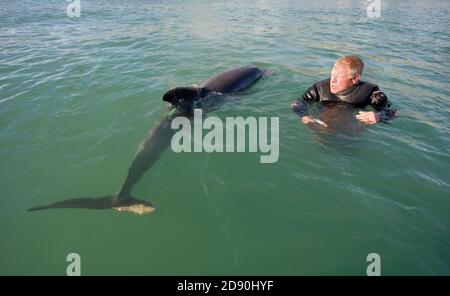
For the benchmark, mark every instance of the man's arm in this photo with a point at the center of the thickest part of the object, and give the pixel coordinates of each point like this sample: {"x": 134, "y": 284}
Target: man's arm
{"x": 380, "y": 102}
{"x": 301, "y": 106}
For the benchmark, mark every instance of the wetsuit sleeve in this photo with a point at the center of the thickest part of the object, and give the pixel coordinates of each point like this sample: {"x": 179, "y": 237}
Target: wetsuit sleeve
{"x": 311, "y": 95}
{"x": 380, "y": 102}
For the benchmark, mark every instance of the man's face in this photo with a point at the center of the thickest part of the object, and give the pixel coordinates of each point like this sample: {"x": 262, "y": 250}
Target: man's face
{"x": 341, "y": 78}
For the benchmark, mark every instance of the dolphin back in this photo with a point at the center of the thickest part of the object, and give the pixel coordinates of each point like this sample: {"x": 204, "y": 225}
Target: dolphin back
{"x": 233, "y": 80}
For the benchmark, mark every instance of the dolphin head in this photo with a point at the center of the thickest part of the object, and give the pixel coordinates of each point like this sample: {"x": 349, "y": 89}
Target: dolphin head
{"x": 183, "y": 98}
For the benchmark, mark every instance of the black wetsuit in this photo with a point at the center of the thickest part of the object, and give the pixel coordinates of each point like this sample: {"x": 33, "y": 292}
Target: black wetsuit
{"x": 360, "y": 95}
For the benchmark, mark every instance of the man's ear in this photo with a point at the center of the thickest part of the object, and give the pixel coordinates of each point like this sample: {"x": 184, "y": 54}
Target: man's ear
{"x": 356, "y": 79}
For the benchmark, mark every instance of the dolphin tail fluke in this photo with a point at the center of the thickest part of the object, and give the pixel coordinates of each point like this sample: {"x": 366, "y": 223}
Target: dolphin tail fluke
{"x": 116, "y": 202}
{"x": 106, "y": 202}
{"x": 127, "y": 203}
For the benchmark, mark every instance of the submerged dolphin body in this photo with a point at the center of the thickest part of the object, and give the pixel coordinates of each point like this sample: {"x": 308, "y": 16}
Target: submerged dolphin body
{"x": 184, "y": 99}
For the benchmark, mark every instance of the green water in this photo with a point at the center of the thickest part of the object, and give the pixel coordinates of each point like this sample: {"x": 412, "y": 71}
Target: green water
{"x": 78, "y": 95}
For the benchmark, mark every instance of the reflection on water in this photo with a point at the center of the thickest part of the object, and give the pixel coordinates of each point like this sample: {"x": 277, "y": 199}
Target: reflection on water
{"x": 342, "y": 130}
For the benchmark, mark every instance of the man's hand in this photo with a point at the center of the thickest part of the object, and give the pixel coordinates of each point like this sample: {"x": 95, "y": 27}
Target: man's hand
{"x": 368, "y": 117}
{"x": 307, "y": 119}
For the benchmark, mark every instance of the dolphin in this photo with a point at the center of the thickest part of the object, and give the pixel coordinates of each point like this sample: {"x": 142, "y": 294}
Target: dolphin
{"x": 183, "y": 100}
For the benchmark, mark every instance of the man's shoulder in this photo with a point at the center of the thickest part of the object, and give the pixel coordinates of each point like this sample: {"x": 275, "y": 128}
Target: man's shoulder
{"x": 322, "y": 83}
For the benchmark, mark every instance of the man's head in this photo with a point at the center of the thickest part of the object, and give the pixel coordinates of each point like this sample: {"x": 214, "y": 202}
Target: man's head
{"x": 346, "y": 73}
